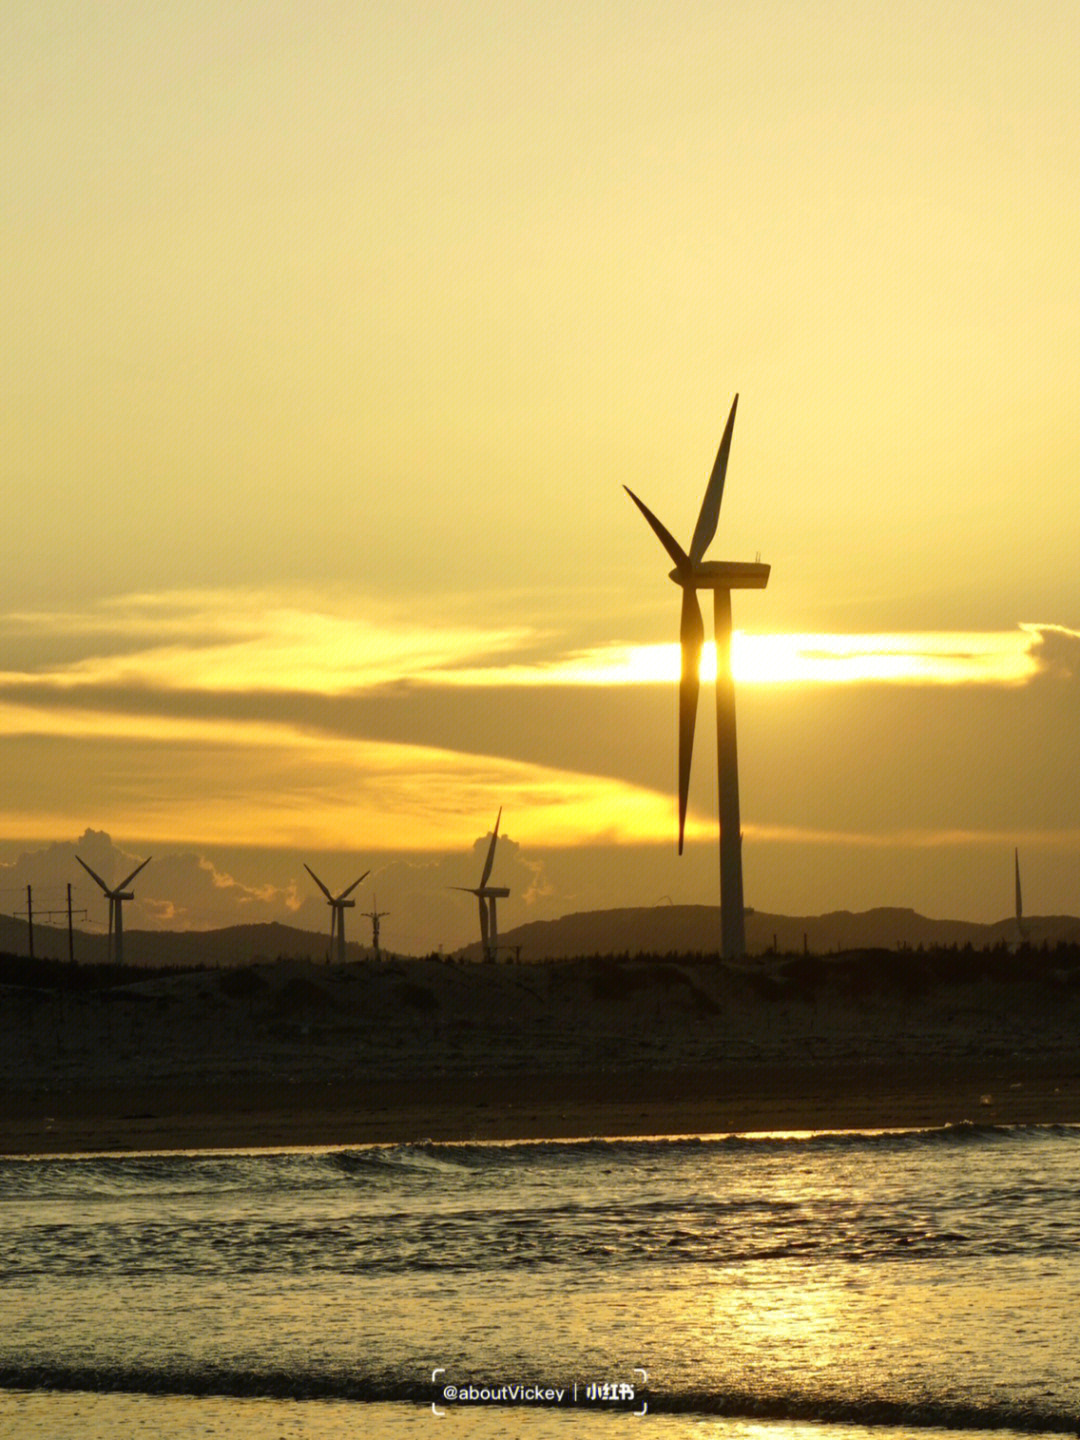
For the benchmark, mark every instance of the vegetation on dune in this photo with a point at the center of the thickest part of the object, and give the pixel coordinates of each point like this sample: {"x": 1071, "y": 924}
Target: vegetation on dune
{"x": 612, "y": 978}
{"x": 77, "y": 975}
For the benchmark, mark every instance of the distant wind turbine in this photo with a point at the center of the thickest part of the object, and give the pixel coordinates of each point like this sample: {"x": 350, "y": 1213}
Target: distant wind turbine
{"x": 117, "y": 895}
{"x": 693, "y": 573}
{"x": 338, "y": 905}
{"x": 374, "y": 915}
{"x": 1020, "y": 937}
{"x": 486, "y": 896}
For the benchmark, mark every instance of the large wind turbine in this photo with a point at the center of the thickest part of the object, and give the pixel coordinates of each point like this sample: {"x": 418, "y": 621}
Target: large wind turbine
{"x": 117, "y": 895}
{"x": 338, "y": 905}
{"x": 486, "y": 896}
{"x": 693, "y": 573}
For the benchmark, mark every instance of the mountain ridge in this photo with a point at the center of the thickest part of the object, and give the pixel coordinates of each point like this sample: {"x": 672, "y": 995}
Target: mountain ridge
{"x": 695, "y": 929}
{"x": 657, "y": 929}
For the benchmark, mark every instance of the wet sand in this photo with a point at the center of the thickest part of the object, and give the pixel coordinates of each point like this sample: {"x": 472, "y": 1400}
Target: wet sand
{"x": 736, "y": 1098}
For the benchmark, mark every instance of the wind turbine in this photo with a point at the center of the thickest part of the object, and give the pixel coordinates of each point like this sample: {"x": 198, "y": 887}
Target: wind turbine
{"x": 117, "y": 895}
{"x": 338, "y": 905}
{"x": 1020, "y": 936}
{"x": 693, "y": 573}
{"x": 374, "y": 915}
{"x": 486, "y": 896}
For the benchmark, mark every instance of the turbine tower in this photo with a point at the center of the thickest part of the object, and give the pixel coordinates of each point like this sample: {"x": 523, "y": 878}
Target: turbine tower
{"x": 338, "y": 905}
{"x": 693, "y": 573}
{"x": 117, "y": 895}
{"x": 486, "y": 896}
{"x": 374, "y": 915}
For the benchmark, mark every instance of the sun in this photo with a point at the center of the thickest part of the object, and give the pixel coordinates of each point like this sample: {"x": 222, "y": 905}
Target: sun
{"x": 827, "y": 659}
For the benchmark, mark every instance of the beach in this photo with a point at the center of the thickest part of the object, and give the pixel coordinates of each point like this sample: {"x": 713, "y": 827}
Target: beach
{"x": 738, "y": 1099}
{"x": 275, "y": 1200}
{"x": 293, "y": 1054}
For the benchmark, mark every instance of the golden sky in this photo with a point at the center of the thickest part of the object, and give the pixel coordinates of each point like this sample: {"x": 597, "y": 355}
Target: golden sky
{"x": 332, "y": 334}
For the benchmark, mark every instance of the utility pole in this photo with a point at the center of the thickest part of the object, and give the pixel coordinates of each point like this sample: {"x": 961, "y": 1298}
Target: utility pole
{"x": 48, "y": 917}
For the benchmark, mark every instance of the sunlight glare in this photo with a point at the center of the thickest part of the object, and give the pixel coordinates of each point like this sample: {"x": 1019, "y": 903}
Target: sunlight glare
{"x": 994, "y": 658}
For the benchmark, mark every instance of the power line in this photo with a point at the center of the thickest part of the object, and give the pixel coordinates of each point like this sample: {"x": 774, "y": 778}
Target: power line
{"x": 67, "y": 910}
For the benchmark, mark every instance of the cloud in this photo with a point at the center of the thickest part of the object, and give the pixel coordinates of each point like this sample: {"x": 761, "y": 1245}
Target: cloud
{"x": 1055, "y": 650}
{"x": 218, "y": 641}
{"x": 266, "y": 643}
{"x": 192, "y": 783}
{"x": 185, "y": 890}
{"x": 374, "y": 731}
{"x": 429, "y": 902}
{"x": 911, "y": 838}
{"x": 182, "y": 891}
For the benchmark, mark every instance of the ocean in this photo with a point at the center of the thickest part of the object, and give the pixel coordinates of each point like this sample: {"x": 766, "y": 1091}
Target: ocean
{"x": 797, "y": 1287}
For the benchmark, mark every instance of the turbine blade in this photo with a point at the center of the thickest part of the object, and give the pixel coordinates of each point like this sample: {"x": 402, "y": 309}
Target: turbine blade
{"x": 318, "y": 882}
{"x": 125, "y": 883}
{"x": 670, "y": 544}
{"x": 353, "y": 886}
{"x": 95, "y": 875}
{"x": 491, "y": 851}
{"x": 691, "y": 639}
{"x": 483, "y": 923}
{"x": 705, "y": 528}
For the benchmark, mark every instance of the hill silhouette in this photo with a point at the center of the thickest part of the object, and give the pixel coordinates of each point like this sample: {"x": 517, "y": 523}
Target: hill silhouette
{"x": 652, "y": 930}
{"x": 695, "y": 929}
{"x": 233, "y": 945}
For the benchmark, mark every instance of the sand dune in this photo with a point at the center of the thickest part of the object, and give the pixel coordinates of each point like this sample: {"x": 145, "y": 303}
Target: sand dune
{"x": 378, "y": 1050}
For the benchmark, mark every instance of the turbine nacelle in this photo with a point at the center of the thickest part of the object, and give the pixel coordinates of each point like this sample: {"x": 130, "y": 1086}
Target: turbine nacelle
{"x": 723, "y": 575}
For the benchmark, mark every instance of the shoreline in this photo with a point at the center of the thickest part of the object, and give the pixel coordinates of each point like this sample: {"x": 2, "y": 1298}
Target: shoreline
{"x": 732, "y": 1099}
